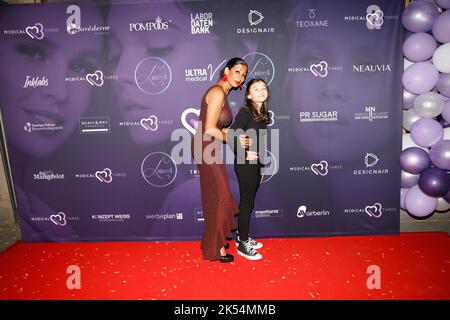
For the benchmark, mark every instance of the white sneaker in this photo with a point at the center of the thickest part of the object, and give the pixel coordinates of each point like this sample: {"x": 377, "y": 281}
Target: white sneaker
{"x": 255, "y": 244}
{"x": 246, "y": 250}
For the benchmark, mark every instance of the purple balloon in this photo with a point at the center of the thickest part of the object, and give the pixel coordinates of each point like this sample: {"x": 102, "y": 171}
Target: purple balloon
{"x": 419, "y": 16}
{"x": 418, "y": 204}
{"x": 426, "y": 132}
{"x": 441, "y": 27}
{"x": 440, "y": 155}
{"x": 434, "y": 182}
{"x": 420, "y": 77}
{"x": 443, "y": 84}
{"x": 414, "y": 160}
{"x": 408, "y": 180}
{"x": 408, "y": 99}
{"x": 445, "y": 4}
{"x": 446, "y": 112}
{"x": 419, "y": 47}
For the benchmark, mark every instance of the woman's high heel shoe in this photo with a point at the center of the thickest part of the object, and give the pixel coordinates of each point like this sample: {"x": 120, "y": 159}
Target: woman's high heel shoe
{"x": 226, "y": 258}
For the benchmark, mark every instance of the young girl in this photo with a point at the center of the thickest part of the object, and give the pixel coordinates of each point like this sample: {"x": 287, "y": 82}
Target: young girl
{"x": 254, "y": 117}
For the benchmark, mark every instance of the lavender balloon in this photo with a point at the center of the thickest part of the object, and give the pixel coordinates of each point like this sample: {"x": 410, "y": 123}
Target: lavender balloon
{"x": 420, "y": 77}
{"x": 429, "y": 105}
{"x": 434, "y": 182}
{"x": 445, "y": 4}
{"x": 419, "y": 16}
{"x": 446, "y": 111}
{"x": 443, "y": 85}
{"x": 403, "y": 192}
{"x": 418, "y": 203}
{"x": 441, "y": 27}
{"x": 408, "y": 180}
{"x": 440, "y": 155}
{"x": 426, "y": 132}
{"x": 414, "y": 160}
{"x": 419, "y": 47}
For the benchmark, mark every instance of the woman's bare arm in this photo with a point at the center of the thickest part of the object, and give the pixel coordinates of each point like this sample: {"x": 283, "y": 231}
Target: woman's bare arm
{"x": 215, "y": 99}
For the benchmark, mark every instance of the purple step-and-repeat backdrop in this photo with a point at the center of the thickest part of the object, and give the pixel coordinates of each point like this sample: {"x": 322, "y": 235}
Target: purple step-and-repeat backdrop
{"x": 90, "y": 96}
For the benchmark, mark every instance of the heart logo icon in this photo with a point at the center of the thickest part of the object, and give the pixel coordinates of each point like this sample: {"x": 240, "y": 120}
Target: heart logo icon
{"x": 36, "y": 31}
{"x": 150, "y": 123}
{"x": 320, "y": 69}
{"x": 104, "y": 176}
{"x": 95, "y": 79}
{"x": 375, "y": 19}
{"x": 58, "y": 219}
{"x": 192, "y": 125}
{"x": 374, "y": 211}
{"x": 320, "y": 169}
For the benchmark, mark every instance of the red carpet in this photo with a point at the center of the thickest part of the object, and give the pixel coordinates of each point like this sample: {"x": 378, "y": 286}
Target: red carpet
{"x": 412, "y": 266}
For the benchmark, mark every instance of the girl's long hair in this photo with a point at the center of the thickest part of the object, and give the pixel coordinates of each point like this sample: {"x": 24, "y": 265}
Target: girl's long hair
{"x": 263, "y": 115}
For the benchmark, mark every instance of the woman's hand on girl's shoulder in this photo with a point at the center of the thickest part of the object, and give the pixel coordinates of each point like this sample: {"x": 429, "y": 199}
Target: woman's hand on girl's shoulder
{"x": 252, "y": 155}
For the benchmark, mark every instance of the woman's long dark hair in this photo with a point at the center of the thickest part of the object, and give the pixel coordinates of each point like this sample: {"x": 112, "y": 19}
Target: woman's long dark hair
{"x": 233, "y": 62}
{"x": 263, "y": 115}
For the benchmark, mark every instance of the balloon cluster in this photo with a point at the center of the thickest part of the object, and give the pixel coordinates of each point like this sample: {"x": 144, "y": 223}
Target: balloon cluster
{"x": 425, "y": 159}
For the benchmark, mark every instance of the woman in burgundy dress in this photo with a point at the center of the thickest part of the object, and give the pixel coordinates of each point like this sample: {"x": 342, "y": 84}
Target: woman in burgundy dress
{"x": 219, "y": 206}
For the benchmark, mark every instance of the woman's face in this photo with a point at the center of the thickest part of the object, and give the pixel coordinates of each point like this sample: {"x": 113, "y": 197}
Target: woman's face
{"x": 50, "y": 101}
{"x": 236, "y": 75}
{"x": 152, "y": 67}
{"x": 333, "y": 90}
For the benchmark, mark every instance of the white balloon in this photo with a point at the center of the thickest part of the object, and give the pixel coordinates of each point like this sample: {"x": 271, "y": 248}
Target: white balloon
{"x": 429, "y": 105}
{"x": 442, "y": 205}
{"x": 441, "y": 58}
{"x": 409, "y": 117}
